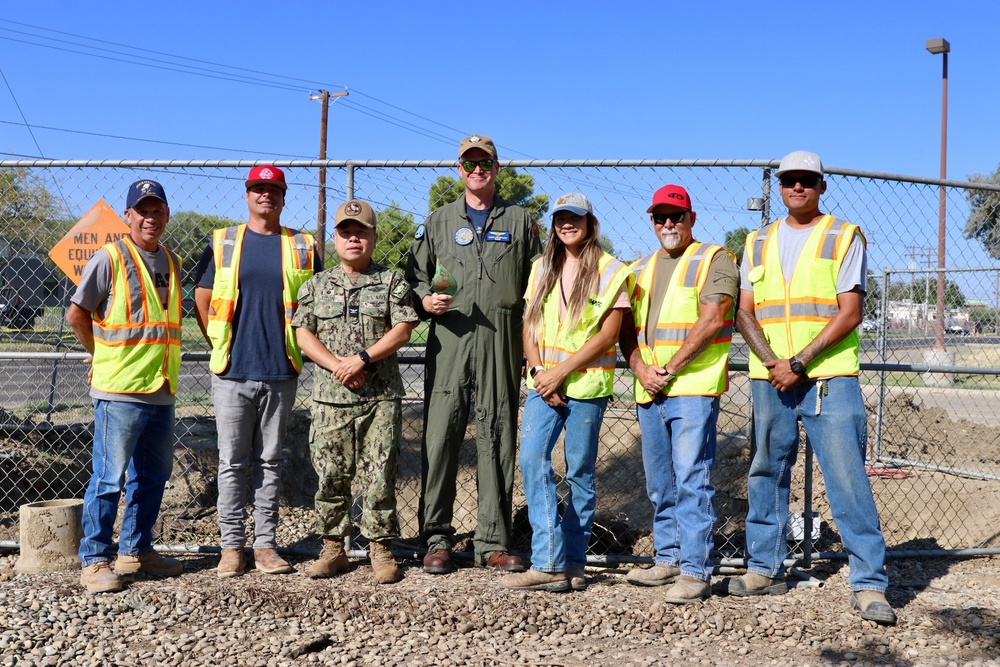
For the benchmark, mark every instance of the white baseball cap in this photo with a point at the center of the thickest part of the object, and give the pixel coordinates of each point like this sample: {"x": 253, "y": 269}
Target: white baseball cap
{"x": 801, "y": 161}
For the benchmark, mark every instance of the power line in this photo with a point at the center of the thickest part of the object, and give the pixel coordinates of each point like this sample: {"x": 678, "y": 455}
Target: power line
{"x": 16, "y": 104}
{"x": 151, "y": 141}
{"x": 129, "y": 55}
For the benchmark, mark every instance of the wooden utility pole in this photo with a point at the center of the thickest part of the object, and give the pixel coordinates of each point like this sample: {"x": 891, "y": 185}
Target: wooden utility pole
{"x": 324, "y": 96}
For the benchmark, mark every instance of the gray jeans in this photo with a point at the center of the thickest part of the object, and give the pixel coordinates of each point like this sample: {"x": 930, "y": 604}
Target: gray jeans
{"x": 251, "y": 418}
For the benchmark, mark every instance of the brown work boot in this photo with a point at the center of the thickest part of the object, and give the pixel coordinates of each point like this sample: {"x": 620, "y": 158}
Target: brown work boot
{"x": 577, "y": 578}
{"x": 686, "y": 590}
{"x": 100, "y": 578}
{"x": 232, "y": 564}
{"x": 269, "y": 562}
{"x": 873, "y": 607}
{"x": 752, "y": 583}
{"x": 502, "y": 560}
{"x": 438, "y": 561}
{"x": 536, "y": 580}
{"x": 149, "y": 562}
{"x": 383, "y": 563}
{"x": 658, "y": 575}
{"x": 332, "y": 560}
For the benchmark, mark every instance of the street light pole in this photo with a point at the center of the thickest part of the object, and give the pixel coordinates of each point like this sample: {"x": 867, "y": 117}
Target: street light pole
{"x": 935, "y": 46}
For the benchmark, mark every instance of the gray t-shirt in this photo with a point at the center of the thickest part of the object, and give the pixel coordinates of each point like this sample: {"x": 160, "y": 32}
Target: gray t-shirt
{"x": 853, "y": 272}
{"x": 94, "y": 294}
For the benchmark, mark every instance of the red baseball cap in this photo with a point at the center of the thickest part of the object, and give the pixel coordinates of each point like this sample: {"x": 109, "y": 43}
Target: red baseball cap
{"x": 672, "y": 195}
{"x": 265, "y": 173}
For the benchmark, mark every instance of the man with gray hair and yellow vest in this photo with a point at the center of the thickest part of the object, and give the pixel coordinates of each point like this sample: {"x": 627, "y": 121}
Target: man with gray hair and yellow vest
{"x": 247, "y": 292}
{"x": 802, "y": 282}
{"x": 678, "y": 349}
{"x": 126, "y": 312}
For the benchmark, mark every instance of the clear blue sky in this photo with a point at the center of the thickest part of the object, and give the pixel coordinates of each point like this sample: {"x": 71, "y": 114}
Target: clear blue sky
{"x": 849, "y": 80}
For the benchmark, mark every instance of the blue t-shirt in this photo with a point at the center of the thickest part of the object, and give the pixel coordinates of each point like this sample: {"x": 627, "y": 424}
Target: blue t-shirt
{"x": 258, "y": 348}
{"x": 478, "y": 218}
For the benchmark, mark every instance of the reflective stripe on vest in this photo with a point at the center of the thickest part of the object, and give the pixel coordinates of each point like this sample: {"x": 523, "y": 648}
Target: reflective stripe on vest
{"x": 792, "y": 314}
{"x": 137, "y": 345}
{"x": 558, "y": 343}
{"x": 706, "y": 375}
{"x": 297, "y": 260}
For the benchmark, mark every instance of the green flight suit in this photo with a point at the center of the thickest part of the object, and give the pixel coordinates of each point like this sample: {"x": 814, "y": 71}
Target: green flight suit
{"x": 475, "y": 347}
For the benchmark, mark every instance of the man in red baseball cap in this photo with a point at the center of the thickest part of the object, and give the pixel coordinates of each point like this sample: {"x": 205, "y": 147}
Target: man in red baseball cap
{"x": 244, "y": 302}
{"x": 682, "y": 309}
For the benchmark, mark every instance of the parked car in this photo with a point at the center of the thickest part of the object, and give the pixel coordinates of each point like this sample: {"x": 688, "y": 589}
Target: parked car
{"x": 869, "y": 326}
{"x": 955, "y": 330}
{"x": 14, "y": 313}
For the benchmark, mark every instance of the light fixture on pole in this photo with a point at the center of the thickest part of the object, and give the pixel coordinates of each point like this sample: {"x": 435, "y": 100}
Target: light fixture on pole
{"x": 935, "y": 46}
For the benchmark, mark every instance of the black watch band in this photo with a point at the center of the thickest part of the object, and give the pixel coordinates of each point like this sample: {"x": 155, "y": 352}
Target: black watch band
{"x": 365, "y": 357}
{"x": 797, "y": 366}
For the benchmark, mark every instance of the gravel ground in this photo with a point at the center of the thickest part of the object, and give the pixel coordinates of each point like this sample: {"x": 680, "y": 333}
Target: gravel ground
{"x": 948, "y": 615}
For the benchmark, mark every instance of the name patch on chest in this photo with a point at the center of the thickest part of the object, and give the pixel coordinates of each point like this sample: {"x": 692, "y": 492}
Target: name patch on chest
{"x": 498, "y": 236}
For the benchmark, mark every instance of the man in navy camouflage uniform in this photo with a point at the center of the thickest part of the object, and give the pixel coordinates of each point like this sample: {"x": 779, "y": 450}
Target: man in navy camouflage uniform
{"x": 351, "y": 320}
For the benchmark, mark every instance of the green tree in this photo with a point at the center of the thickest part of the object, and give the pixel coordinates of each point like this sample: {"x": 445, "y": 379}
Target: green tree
{"x": 395, "y": 232}
{"x": 28, "y": 211}
{"x": 511, "y": 186}
{"x": 983, "y": 224}
{"x": 735, "y": 242}
{"x": 187, "y": 234}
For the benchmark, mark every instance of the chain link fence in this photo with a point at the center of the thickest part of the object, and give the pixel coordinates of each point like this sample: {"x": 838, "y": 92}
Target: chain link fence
{"x": 929, "y": 380}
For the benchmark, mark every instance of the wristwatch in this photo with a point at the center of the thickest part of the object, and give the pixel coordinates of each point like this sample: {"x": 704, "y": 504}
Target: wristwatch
{"x": 797, "y": 366}
{"x": 365, "y": 357}
{"x": 535, "y": 370}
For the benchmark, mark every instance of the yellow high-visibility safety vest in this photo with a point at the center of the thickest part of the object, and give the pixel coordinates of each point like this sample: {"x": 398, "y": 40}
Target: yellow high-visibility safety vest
{"x": 297, "y": 257}
{"x": 558, "y": 343}
{"x": 792, "y": 315}
{"x": 706, "y": 375}
{"x": 137, "y": 346}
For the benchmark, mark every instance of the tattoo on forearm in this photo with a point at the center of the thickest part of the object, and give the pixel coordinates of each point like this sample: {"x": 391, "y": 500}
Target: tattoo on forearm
{"x": 752, "y": 333}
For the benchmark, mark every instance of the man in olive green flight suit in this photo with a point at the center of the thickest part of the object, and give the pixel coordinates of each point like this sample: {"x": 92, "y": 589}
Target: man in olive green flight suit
{"x": 473, "y": 349}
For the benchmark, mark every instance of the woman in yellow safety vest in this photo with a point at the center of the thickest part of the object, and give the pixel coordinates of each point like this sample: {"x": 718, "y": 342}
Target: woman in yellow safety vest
{"x": 576, "y": 296}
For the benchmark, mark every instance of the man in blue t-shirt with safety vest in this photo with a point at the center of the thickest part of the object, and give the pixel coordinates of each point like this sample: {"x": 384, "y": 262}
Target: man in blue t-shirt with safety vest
{"x": 126, "y": 312}
{"x": 247, "y": 291}
{"x": 802, "y": 282}
{"x": 676, "y": 341}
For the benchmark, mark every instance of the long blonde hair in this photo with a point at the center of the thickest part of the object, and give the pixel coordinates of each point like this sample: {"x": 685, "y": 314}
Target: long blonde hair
{"x": 550, "y": 270}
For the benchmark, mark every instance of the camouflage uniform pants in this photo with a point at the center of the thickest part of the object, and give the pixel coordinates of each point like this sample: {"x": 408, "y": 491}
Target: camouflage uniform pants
{"x": 361, "y": 440}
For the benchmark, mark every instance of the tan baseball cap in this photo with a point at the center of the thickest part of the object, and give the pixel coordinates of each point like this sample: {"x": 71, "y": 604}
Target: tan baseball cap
{"x": 356, "y": 210}
{"x": 477, "y": 141}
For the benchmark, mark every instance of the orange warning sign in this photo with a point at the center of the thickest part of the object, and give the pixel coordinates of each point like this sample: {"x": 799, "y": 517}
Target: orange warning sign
{"x": 98, "y": 226}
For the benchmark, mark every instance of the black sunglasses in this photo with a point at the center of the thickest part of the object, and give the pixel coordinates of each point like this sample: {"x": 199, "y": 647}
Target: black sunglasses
{"x": 470, "y": 165}
{"x": 661, "y": 218}
{"x": 807, "y": 181}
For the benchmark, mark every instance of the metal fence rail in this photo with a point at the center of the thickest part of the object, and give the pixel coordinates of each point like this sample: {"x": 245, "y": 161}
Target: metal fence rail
{"x": 934, "y": 450}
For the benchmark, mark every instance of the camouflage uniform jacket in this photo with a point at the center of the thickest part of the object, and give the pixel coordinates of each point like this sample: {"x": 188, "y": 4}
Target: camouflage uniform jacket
{"x": 348, "y": 318}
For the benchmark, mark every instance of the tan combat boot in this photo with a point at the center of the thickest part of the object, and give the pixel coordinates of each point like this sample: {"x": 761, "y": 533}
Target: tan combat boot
{"x": 384, "y": 565}
{"x": 332, "y": 560}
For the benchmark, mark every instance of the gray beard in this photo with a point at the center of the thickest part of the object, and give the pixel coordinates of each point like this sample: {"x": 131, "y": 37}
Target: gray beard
{"x": 670, "y": 242}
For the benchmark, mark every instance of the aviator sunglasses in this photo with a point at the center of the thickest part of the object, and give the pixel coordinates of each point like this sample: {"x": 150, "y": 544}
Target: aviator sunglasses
{"x": 807, "y": 181}
{"x": 470, "y": 165}
{"x": 661, "y": 218}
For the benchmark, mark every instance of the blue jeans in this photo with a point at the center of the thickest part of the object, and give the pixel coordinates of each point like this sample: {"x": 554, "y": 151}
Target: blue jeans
{"x": 138, "y": 439}
{"x": 558, "y": 543}
{"x": 252, "y": 418}
{"x": 678, "y": 451}
{"x": 837, "y": 427}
